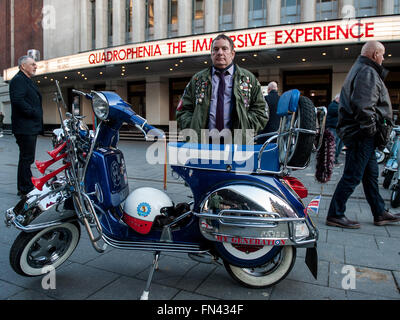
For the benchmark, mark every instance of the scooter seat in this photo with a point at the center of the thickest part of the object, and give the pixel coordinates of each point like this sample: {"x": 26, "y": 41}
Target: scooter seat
{"x": 229, "y": 157}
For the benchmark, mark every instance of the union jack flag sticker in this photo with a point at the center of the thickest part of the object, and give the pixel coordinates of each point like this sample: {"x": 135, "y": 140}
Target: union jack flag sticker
{"x": 313, "y": 206}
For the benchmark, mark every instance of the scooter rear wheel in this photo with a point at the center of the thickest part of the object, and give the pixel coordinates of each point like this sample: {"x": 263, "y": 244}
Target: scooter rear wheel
{"x": 52, "y": 246}
{"x": 301, "y": 144}
{"x": 265, "y": 275}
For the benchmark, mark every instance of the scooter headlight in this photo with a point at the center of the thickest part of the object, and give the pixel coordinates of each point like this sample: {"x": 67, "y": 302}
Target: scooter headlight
{"x": 100, "y": 105}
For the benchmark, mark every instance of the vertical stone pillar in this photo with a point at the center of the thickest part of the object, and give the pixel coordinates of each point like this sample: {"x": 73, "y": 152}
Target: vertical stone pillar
{"x": 273, "y": 12}
{"x": 211, "y": 15}
{"x": 346, "y": 9}
{"x": 387, "y": 7}
{"x": 119, "y": 22}
{"x": 240, "y": 14}
{"x": 138, "y": 20}
{"x": 157, "y": 100}
{"x": 307, "y": 10}
{"x": 119, "y": 86}
{"x": 101, "y": 23}
{"x": 86, "y": 26}
{"x": 184, "y": 17}
{"x": 160, "y": 19}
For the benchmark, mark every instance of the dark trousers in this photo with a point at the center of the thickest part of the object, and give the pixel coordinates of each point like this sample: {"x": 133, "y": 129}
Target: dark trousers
{"x": 27, "y": 147}
{"x": 360, "y": 166}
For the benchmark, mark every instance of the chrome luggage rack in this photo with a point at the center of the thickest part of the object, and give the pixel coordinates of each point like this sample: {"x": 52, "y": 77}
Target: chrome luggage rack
{"x": 321, "y": 113}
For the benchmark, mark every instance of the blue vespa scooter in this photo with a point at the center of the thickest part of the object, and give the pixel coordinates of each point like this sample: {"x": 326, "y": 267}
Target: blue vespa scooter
{"x": 247, "y": 211}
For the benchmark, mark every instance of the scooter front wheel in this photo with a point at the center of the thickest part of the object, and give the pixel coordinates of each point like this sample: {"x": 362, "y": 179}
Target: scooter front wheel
{"x": 267, "y": 274}
{"x": 52, "y": 246}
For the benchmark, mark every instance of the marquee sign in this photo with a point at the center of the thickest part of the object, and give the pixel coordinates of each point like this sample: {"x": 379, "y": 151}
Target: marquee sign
{"x": 255, "y": 39}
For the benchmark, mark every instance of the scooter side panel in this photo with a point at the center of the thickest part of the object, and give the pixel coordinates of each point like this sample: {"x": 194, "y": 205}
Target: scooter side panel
{"x": 107, "y": 169}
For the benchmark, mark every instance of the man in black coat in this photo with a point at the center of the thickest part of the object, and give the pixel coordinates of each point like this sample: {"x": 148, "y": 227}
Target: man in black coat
{"x": 26, "y": 119}
{"x": 364, "y": 104}
{"x": 273, "y": 123}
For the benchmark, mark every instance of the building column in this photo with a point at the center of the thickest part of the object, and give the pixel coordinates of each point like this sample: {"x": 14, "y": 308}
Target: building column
{"x": 211, "y": 15}
{"x": 86, "y": 26}
{"x": 101, "y": 24}
{"x": 160, "y": 19}
{"x": 120, "y": 87}
{"x": 346, "y": 9}
{"x": 119, "y": 22}
{"x": 184, "y": 17}
{"x": 157, "y": 100}
{"x": 240, "y": 14}
{"x": 307, "y": 9}
{"x": 138, "y": 21}
{"x": 273, "y": 12}
{"x": 387, "y": 7}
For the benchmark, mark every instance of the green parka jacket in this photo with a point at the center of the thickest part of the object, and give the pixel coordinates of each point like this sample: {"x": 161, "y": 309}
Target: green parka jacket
{"x": 249, "y": 110}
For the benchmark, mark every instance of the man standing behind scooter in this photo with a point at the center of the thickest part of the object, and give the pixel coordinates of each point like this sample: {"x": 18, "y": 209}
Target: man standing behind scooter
{"x": 364, "y": 107}
{"x": 223, "y": 96}
{"x": 26, "y": 119}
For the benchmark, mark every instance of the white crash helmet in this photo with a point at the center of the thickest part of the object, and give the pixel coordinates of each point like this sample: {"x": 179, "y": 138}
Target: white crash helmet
{"x": 142, "y": 206}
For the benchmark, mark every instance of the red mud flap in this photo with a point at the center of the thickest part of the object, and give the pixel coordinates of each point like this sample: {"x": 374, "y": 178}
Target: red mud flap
{"x": 312, "y": 260}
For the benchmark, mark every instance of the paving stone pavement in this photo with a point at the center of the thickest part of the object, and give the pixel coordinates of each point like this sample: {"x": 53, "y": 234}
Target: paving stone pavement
{"x": 373, "y": 251}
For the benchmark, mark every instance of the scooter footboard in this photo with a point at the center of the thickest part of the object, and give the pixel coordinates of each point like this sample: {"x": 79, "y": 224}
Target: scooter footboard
{"x": 257, "y": 228}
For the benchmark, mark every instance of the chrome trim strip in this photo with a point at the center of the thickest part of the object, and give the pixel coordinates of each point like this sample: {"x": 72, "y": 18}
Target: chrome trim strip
{"x": 249, "y": 219}
{"x": 153, "y": 246}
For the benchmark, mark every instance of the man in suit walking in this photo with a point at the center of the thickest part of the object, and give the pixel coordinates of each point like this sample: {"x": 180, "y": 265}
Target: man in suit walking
{"x": 26, "y": 119}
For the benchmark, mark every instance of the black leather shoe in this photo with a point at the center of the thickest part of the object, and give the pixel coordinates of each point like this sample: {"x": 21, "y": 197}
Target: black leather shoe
{"x": 342, "y": 222}
{"x": 385, "y": 218}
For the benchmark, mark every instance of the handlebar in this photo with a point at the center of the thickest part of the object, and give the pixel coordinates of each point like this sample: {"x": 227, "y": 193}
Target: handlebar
{"x": 147, "y": 129}
{"x": 123, "y": 112}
